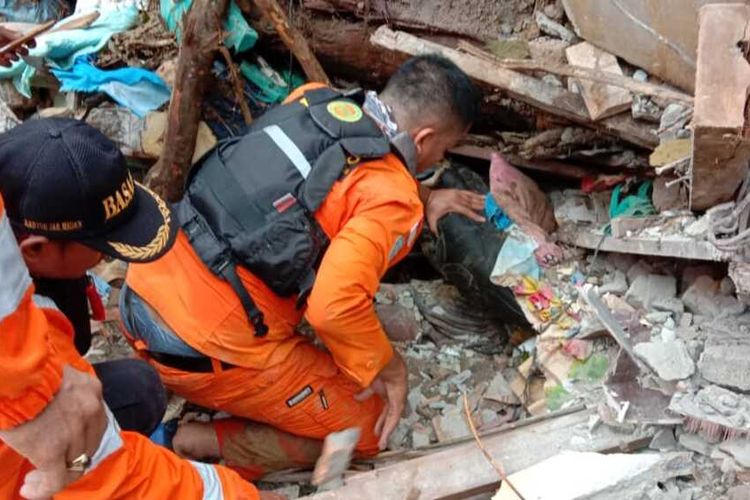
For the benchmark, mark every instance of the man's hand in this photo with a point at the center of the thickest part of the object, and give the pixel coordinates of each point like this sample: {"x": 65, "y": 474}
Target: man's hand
{"x": 441, "y": 202}
{"x": 72, "y": 424}
{"x": 392, "y": 384}
{"x": 7, "y": 36}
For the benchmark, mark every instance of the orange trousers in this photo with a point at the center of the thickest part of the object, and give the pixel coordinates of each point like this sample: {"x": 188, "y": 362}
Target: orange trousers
{"x": 305, "y": 395}
{"x": 138, "y": 469}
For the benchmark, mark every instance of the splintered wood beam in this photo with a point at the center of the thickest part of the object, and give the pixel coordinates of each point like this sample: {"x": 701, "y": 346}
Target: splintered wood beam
{"x": 201, "y": 38}
{"x": 462, "y": 470}
{"x": 293, "y": 39}
{"x": 552, "y": 99}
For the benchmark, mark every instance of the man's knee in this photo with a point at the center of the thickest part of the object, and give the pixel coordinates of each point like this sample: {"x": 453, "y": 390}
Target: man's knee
{"x": 133, "y": 391}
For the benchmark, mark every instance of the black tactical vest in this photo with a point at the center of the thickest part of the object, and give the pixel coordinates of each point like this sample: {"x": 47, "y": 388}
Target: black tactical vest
{"x": 250, "y": 201}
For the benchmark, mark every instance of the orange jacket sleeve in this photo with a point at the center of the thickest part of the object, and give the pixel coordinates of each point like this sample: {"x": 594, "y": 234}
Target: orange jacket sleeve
{"x": 29, "y": 374}
{"x": 340, "y": 306}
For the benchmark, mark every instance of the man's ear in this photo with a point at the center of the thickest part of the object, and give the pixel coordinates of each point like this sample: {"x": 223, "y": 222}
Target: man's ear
{"x": 423, "y": 136}
{"x": 32, "y": 249}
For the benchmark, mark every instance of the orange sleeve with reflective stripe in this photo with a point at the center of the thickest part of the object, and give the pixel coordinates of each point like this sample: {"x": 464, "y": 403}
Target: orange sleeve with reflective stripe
{"x": 299, "y": 91}
{"x": 29, "y": 374}
{"x": 376, "y": 236}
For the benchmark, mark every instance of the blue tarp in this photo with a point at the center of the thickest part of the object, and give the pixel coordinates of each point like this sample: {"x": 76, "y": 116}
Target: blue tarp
{"x": 137, "y": 89}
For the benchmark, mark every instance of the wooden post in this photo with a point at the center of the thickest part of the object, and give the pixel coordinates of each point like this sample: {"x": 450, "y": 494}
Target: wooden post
{"x": 293, "y": 39}
{"x": 201, "y": 37}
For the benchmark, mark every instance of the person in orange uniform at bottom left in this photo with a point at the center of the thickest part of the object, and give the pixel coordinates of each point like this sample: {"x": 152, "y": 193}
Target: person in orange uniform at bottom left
{"x": 57, "y": 436}
{"x": 301, "y": 216}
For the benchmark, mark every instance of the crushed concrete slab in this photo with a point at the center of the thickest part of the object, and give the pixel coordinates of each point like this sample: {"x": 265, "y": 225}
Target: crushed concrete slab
{"x": 577, "y": 476}
{"x": 700, "y": 296}
{"x": 664, "y": 440}
{"x": 673, "y": 305}
{"x": 647, "y": 288}
{"x": 713, "y": 411}
{"x": 739, "y": 449}
{"x": 726, "y": 365}
{"x": 695, "y": 443}
{"x": 670, "y": 360}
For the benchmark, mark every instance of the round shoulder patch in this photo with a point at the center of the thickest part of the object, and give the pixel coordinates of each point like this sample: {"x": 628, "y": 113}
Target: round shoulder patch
{"x": 345, "y": 111}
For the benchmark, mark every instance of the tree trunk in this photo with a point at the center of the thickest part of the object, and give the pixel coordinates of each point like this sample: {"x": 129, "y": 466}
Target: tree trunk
{"x": 201, "y": 37}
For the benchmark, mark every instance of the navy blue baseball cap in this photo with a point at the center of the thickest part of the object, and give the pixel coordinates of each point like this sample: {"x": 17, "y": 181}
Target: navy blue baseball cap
{"x": 63, "y": 179}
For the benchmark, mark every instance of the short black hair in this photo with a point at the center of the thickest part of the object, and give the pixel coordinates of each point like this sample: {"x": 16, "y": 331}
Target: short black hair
{"x": 433, "y": 84}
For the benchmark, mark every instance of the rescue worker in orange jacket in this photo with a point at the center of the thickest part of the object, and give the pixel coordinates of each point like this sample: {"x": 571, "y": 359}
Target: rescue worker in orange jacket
{"x": 65, "y": 179}
{"x": 215, "y": 314}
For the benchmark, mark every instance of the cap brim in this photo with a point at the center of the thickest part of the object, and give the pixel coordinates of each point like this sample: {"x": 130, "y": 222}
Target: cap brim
{"x": 148, "y": 234}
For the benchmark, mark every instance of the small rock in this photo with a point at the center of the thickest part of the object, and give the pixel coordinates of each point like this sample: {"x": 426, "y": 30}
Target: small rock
{"x": 290, "y": 492}
{"x": 698, "y": 228}
{"x": 646, "y": 288}
{"x": 499, "y": 390}
{"x": 451, "y": 424}
{"x": 668, "y": 334}
{"x": 488, "y": 418}
{"x": 552, "y": 80}
{"x": 694, "y": 442}
{"x": 553, "y": 28}
{"x": 700, "y": 297}
{"x": 616, "y": 283}
{"x": 645, "y": 109}
{"x": 674, "y": 118}
{"x": 640, "y": 75}
{"x": 554, "y": 11}
{"x": 657, "y": 317}
{"x": 420, "y": 436}
{"x": 670, "y": 360}
{"x": 726, "y": 287}
{"x": 548, "y": 49}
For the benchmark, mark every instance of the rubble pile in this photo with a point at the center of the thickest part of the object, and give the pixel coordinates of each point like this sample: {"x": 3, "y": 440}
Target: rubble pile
{"x": 607, "y": 350}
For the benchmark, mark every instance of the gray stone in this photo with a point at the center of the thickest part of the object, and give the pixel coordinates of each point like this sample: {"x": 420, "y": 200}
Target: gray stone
{"x": 726, "y": 365}
{"x": 553, "y": 28}
{"x": 672, "y": 304}
{"x": 552, "y": 80}
{"x": 640, "y": 75}
{"x": 657, "y": 317}
{"x": 420, "y": 436}
{"x": 451, "y": 424}
{"x": 673, "y": 119}
{"x": 700, "y": 297}
{"x": 726, "y": 287}
{"x": 670, "y": 360}
{"x": 739, "y": 448}
{"x": 695, "y": 443}
{"x": 640, "y": 268}
{"x": 554, "y": 10}
{"x": 647, "y": 288}
{"x": 616, "y": 283}
{"x": 290, "y": 492}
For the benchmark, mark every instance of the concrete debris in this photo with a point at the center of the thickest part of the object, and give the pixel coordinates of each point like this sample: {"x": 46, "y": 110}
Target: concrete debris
{"x": 578, "y": 476}
{"x": 670, "y": 360}
{"x": 451, "y": 424}
{"x": 694, "y": 442}
{"x": 703, "y": 297}
{"x": 616, "y": 283}
{"x": 741, "y": 492}
{"x": 663, "y": 440}
{"x": 645, "y": 109}
{"x": 601, "y": 100}
{"x": 499, "y": 390}
{"x": 553, "y": 28}
{"x": 647, "y": 288}
{"x": 716, "y": 413}
{"x": 336, "y": 456}
{"x": 673, "y": 121}
{"x": 726, "y": 365}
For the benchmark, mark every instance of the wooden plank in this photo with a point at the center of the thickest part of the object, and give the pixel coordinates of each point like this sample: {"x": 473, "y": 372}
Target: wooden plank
{"x": 555, "y": 100}
{"x": 720, "y": 150}
{"x": 601, "y": 100}
{"x": 546, "y": 166}
{"x": 680, "y": 247}
{"x": 579, "y": 72}
{"x": 462, "y": 470}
